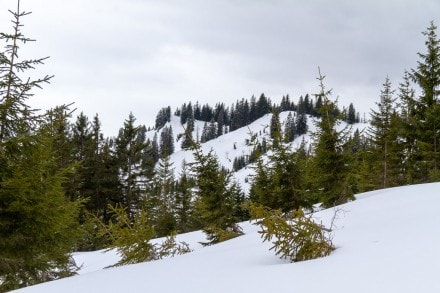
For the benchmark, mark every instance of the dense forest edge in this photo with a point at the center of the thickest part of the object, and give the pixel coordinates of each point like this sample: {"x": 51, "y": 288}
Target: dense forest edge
{"x": 65, "y": 187}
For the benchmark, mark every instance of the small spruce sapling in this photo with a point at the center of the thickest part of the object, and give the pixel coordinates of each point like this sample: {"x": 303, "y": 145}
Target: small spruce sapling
{"x": 294, "y": 235}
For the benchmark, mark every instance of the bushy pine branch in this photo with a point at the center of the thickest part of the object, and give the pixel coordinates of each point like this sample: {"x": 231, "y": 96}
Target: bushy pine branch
{"x": 132, "y": 238}
{"x": 294, "y": 235}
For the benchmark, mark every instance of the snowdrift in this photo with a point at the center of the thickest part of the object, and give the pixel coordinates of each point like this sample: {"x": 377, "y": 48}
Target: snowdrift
{"x": 386, "y": 240}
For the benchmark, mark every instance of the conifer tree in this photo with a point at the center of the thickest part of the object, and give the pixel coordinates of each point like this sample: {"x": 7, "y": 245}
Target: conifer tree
{"x": 384, "y": 134}
{"x": 301, "y": 124}
{"x": 279, "y": 179}
{"x": 215, "y": 197}
{"x": 161, "y": 199}
{"x": 275, "y": 128}
{"x": 407, "y": 103}
{"x": 184, "y": 202}
{"x": 289, "y": 128}
{"x": 427, "y": 77}
{"x": 330, "y": 168}
{"x": 130, "y": 146}
{"x": 38, "y": 225}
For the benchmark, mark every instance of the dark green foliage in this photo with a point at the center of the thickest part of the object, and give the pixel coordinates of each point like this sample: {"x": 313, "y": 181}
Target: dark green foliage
{"x": 351, "y": 117}
{"x": 294, "y": 235}
{"x": 38, "y": 224}
{"x": 134, "y": 170}
{"x": 301, "y": 124}
{"x": 188, "y": 139}
{"x": 239, "y": 163}
{"x": 161, "y": 199}
{"x": 132, "y": 239}
{"x": 166, "y": 141}
{"x": 15, "y": 115}
{"x": 427, "y": 108}
{"x": 279, "y": 179}
{"x": 184, "y": 203}
{"x": 215, "y": 197}
{"x": 275, "y": 128}
{"x": 330, "y": 171}
{"x": 386, "y": 150}
{"x": 209, "y": 132}
{"x": 163, "y": 117}
{"x": 290, "y": 128}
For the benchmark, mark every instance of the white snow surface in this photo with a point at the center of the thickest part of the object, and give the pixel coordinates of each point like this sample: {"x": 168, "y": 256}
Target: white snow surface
{"x": 386, "y": 241}
{"x": 236, "y": 143}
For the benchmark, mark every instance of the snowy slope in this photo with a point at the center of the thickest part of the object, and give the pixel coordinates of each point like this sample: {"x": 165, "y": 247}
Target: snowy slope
{"x": 387, "y": 241}
{"x": 234, "y": 144}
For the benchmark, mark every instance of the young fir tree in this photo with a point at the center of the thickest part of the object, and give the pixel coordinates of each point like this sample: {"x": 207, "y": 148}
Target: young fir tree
{"x": 275, "y": 128}
{"x": 386, "y": 151}
{"x": 330, "y": 168}
{"x": 407, "y": 105}
{"x": 215, "y": 197}
{"x": 161, "y": 199}
{"x": 279, "y": 179}
{"x": 130, "y": 147}
{"x": 427, "y": 77}
{"x": 184, "y": 203}
{"x": 37, "y": 222}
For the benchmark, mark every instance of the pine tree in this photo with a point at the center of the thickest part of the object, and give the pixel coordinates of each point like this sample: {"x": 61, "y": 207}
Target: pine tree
{"x": 279, "y": 179}
{"x": 38, "y": 226}
{"x": 215, "y": 197}
{"x": 289, "y": 128}
{"x": 184, "y": 203}
{"x": 160, "y": 200}
{"x": 427, "y": 77}
{"x": 351, "y": 115}
{"x": 166, "y": 141}
{"x": 130, "y": 146}
{"x": 407, "y": 103}
{"x": 275, "y": 128}
{"x": 301, "y": 124}
{"x": 330, "y": 169}
{"x": 385, "y": 132}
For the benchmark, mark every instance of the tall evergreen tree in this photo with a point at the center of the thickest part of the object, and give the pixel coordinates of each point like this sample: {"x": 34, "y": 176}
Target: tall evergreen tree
{"x": 215, "y": 197}
{"x": 384, "y": 135}
{"x": 407, "y": 102}
{"x": 130, "y": 145}
{"x": 161, "y": 198}
{"x": 427, "y": 77}
{"x": 279, "y": 181}
{"x": 38, "y": 226}
{"x": 329, "y": 181}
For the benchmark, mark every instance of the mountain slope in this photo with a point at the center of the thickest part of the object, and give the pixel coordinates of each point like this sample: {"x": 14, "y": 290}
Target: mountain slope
{"x": 386, "y": 240}
{"x": 234, "y": 144}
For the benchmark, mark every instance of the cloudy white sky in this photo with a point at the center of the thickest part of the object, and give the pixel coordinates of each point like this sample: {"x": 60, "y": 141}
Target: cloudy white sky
{"x": 115, "y": 56}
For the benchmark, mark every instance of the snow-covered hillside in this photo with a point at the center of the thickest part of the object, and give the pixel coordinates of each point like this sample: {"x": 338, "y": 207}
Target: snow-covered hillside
{"x": 386, "y": 240}
{"x": 235, "y": 143}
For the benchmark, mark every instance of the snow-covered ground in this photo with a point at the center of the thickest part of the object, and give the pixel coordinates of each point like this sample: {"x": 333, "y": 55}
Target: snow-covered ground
{"x": 387, "y": 241}
{"x": 236, "y": 143}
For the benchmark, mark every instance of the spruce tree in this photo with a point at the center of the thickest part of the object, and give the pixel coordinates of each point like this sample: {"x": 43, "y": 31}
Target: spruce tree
{"x": 384, "y": 132}
{"x": 279, "y": 179}
{"x": 130, "y": 147}
{"x": 215, "y": 197}
{"x": 38, "y": 226}
{"x": 427, "y": 77}
{"x": 330, "y": 169}
{"x": 409, "y": 124}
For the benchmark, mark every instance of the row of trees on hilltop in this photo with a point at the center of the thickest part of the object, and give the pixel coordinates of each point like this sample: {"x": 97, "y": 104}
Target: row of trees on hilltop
{"x": 221, "y": 119}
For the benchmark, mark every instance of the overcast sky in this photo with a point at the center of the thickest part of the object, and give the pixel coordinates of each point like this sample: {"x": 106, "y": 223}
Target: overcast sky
{"x": 115, "y": 56}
